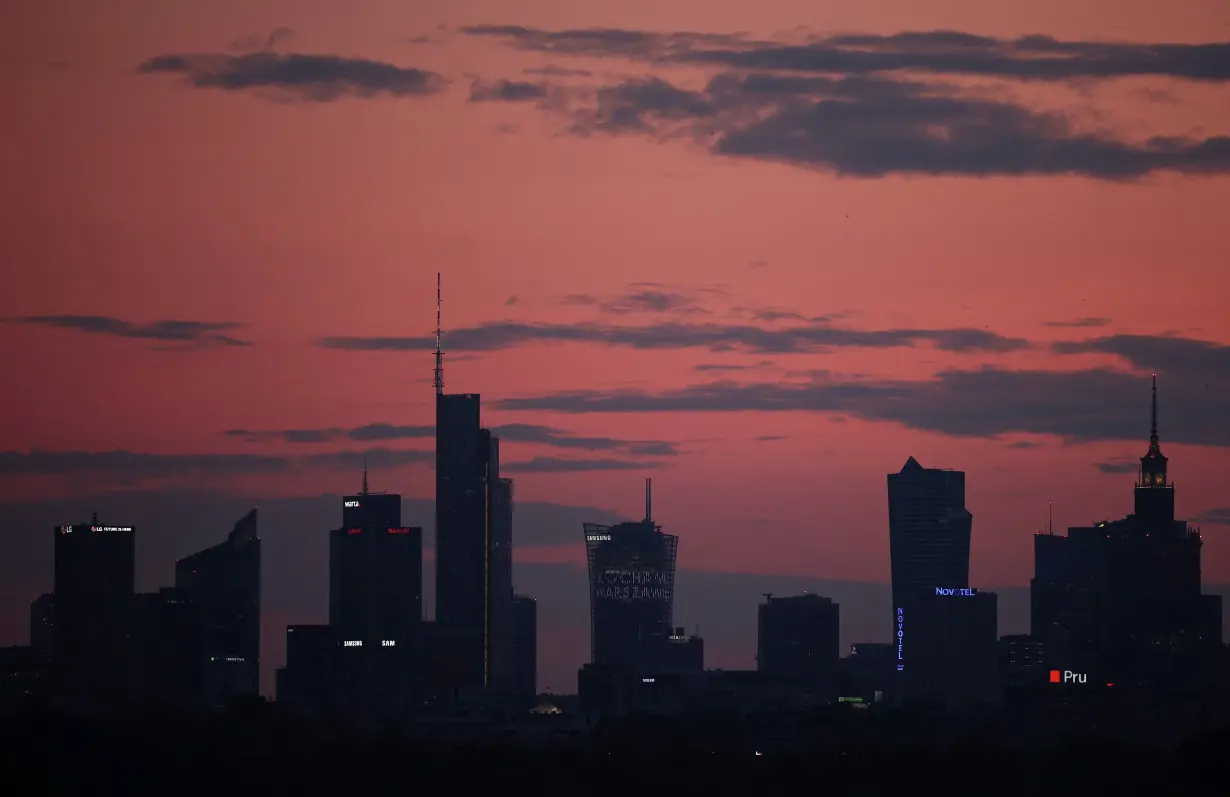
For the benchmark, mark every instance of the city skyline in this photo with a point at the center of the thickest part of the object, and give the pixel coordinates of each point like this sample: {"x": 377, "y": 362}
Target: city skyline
{"x": 233, "y": 313}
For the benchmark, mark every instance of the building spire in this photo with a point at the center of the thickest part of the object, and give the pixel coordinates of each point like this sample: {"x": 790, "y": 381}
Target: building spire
{"x": 438, "y": 380}
{"x": 1153, "y": 439}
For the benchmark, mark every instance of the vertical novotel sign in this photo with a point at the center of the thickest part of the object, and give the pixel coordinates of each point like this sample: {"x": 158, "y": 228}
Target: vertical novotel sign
{"x": 900, "y": 637}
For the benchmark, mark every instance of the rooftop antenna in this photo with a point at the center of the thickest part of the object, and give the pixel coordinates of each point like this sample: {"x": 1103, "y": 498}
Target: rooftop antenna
{"x": 648, "y": 500}
{"x": 768, "y": 597}
{"x": 438, "y": 381}
{"x": 1153, "y": 425}
{"x": 1050, "y": 517}
{"x": 94, "y": 519}
{"x": 364, "y": 475}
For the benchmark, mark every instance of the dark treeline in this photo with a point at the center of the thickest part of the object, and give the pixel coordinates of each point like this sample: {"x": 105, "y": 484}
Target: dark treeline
{"x": 257, "y": 748}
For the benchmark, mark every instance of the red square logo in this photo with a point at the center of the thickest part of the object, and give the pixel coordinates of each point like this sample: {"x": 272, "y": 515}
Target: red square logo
{"x": 1056, "y": 676}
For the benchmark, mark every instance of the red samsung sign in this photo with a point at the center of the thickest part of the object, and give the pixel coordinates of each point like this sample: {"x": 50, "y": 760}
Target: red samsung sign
{"x": 355, "y": 531}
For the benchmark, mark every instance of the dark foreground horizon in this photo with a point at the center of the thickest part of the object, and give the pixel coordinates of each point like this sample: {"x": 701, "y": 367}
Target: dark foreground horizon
{"x": 258, "y": 747}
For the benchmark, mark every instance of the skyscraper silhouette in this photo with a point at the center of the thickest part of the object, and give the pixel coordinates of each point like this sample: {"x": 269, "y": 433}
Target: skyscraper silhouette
{"x": 474, "y": 599}
{"x": 631, "y": 592}
{"x": 929, "y": 537}
{"x": 95, "y": 575}
{"x": 224, "y": 581}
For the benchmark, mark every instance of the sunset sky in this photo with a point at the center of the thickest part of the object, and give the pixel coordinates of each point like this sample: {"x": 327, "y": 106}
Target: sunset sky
{"x": 762, "y": 252}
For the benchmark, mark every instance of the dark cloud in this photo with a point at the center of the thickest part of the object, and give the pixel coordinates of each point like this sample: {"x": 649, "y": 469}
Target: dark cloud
{"x": 1118, "y": 466}
{"x": 167, "y": 331}
{"x": 1077, "y": 323}
{"x": 1033, "y": 57}
{"x": 1099, "y": 404}
{"x": 1200, "y": 361}
{"x": 551, "y": 70}
{"x": 368, "y": 433}
{"x": 818, "y": 336}
{"x": 599, "y": 41}
{"x": 769, "y": 438}
{"x": 511, "y": 300}
{"x": 1022, "y": 445}
{"x": 506, "y": 91}
{"x": 129, "y": 464}
{"x": 512, "y": 432}
{"x": 556, "y": 465}
{"x": 728, "y": 367}
{"x": 1214, "y": 517}
{"x": 648, "y": 297}
{"x": 866, "y": 123}
{"x": 319, "y": 78}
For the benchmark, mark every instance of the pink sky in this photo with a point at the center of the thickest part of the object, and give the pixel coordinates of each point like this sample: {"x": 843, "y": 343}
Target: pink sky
{"x": 141, "y": 198}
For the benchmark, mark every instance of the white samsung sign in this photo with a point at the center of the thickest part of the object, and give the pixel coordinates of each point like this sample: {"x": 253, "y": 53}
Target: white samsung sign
{"x": 597, "y": 537}
{"x": 352, "y": 643}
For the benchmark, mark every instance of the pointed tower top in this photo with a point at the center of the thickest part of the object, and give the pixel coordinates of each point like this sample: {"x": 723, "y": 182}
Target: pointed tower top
{"x": 438, "y": 380}
{"x": 911, "y": 464}
{"x": 1153, "y": 440}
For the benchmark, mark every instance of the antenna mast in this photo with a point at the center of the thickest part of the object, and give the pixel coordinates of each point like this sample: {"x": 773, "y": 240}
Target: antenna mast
{"x": 438, "y": 380}
{"x": 1050, "y": 518}
{"x": 648, "y": 500}
{"x": 364, "y": 475}
{"x": 1153, "y": 425}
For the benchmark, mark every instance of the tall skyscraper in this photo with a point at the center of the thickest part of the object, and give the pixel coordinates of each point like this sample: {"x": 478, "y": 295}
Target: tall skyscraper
{"x": 95, "y": 574}
{"x": 474, "y": 600}
{"x": 798, "y": 641}
{"x": 929, "y": 537}
{"x": 375, "y": 572}
{"x": 224, "y": 583}
{"x": 631, "y": 592}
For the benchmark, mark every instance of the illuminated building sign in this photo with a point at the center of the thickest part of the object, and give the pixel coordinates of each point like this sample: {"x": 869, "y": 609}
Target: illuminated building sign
{"x": 354, "y": 531}
{"x": 388, "y": 643}
{"x": 900, "y": 636}
{"x": 648, "y": 680}
{"x": 352, "y": 643}
{"x": 677, "y": 638}
{"x": 350, "y": 504}
{"x": 66, "y": 529}
{"x": 633, "y": 585}
{"x": 401, "y": 530}
{"x": 849, "y": 700}
{"x": 1069, "y": 677}
{"x": 597, "y": 537}
{"x": 966, "y": 591}
{"x": 110, "y": 528}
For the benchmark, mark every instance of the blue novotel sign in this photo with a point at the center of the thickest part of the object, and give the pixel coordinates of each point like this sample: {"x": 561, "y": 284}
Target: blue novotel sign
{"x": 900, "y": 637}
{"x": 968, "y": 592}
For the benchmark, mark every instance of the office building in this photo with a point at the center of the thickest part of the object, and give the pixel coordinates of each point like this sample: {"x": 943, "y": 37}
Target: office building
{"x": 685, "y": 653}
{"x": 375, "y": 571}
{"x": 170, "y": 638}
{"x": 929, "y": 537}
{"x": 525, "y": 646}
{"x": 952, "y": 635}
{"x": 94, "y": 588}
{"x": 631, "y": 592}
{"x": 1023, "y": 661}
{"x": 474, "y": 599}
{"x": 224, "y": 584}
{"x": 798, "y": 642}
